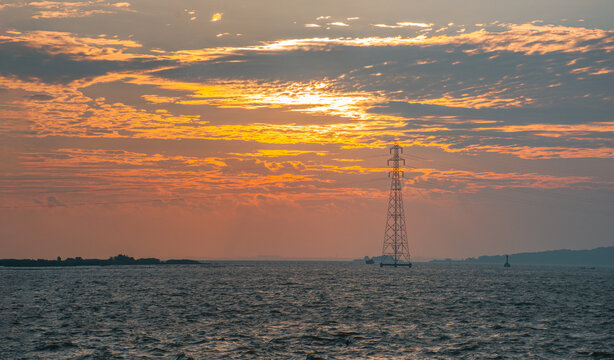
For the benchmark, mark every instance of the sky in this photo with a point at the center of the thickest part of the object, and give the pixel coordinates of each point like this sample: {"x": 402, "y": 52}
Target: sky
{"x": 260, "y": 129}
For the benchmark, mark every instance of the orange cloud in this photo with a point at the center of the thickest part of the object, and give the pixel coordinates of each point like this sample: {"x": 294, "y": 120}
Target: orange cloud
{"x": 314, "y": 97}
{"x": 68, "y": 13}
{"x": 111, "y": 175}
{"x": 99, "y": 48}
{"x": 279, "y": 153}
{"x": 404, "y": 24}
{"x": 464, "y": 181}
{"x": 556, "y": 128}
{"x": 525, "y": 38}
{"x": 602, "y": 71}
{"x": 486, "y": 100}
{"x": 546, "y": 152}
{"x": 65, "y": 115}
{"x": 104, "y": 176}
{"x": 67, "y": 9}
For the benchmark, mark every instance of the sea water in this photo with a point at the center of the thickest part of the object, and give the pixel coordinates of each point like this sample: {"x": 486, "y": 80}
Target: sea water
{"x": 307, "y": 310}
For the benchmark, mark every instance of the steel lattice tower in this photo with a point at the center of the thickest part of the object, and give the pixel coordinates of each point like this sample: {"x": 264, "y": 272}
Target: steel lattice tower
{"x": 395, "y": 251}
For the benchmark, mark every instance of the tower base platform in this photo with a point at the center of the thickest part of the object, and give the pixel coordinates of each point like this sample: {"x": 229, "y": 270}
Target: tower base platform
{"x": 394, "y": 265}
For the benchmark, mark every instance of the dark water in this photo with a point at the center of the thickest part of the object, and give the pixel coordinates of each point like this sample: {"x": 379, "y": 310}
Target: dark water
{"x": 307, "y": 310}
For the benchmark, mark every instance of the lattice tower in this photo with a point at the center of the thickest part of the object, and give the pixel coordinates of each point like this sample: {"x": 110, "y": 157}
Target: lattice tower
{"x": 395, "y": 251}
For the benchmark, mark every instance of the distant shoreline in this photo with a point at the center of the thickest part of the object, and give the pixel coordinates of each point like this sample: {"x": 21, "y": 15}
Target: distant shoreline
{"x": 602, "y": 256}
{"x": 78, "y": 261}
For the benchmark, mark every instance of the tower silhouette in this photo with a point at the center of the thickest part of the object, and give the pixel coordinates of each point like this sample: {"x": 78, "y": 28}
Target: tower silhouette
{"x": 395, "y": 251}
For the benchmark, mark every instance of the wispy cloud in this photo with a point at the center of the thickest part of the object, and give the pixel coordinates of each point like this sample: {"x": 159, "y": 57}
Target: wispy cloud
{"x": 527, "y": 39}
{"x": 112, "y": 174}
{"x": 54, "y": 42}
{"x": 491, "y": 99}
{"x": 67, "y": 9}
{"x": 404, "y": 24}
{"x": 547, "y": 152}
{"x": 459, "y": 181}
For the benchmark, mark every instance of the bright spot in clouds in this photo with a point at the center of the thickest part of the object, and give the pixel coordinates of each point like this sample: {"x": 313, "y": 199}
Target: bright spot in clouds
{"x": 414, "y": 24}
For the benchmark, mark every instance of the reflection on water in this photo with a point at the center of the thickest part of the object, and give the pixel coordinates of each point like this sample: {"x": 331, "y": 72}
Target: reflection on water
{"x": 307, "y": 310}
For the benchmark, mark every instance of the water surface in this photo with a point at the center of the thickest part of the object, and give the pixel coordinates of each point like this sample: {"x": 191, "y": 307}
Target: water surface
{"x": 307, "y": 311}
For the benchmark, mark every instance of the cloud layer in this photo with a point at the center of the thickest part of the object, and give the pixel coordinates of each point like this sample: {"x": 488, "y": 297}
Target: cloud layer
{"x": 220, "y": 111}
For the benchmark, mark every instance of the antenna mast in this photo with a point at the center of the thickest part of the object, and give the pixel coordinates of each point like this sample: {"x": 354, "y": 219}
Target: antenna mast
{"x": 395, "y": 251}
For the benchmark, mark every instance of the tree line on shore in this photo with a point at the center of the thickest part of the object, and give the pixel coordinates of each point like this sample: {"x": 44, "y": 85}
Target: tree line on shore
{"x": 78, "y": 261}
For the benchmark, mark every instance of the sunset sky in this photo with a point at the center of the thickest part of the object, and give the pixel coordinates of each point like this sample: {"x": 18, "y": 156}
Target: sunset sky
{"x": 259, "y": 129}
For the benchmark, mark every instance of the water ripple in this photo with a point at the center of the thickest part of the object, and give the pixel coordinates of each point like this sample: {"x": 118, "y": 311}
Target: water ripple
{"x": 307, "y": 311}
